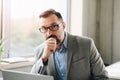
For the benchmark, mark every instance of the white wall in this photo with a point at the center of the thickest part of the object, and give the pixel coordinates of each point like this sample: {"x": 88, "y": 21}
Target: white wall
{"x": 101, "y": 21}
{"x": 116, "y": 31}
{"x": 76, "y": 17}
{"x": 110, "y": 30}
{"x": 105, "y": 30}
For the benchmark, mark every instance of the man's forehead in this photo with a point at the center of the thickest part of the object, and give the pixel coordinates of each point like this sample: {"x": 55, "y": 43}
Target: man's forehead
{"x": 43, "y": 22}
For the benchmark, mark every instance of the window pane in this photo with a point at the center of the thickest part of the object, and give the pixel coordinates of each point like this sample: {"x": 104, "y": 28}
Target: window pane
{"x": 0, "y": 18}
{"x": 24, "y": 32}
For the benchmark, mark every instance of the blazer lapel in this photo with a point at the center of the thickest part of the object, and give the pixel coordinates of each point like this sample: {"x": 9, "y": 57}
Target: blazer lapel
{"x": 71, "y": 49}
{"x": 51, "y": 65}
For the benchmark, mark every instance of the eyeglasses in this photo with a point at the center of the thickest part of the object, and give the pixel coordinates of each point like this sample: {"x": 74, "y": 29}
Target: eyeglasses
{"x": 54, "y": 27}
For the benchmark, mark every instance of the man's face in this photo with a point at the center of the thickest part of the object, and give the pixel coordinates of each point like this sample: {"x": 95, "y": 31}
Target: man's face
{"x": 52, "y": 20}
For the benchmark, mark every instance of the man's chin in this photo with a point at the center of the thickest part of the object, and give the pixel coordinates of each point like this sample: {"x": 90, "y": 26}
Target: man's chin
{"x": 55, "y": 37}
{"x": 58, "y": 41}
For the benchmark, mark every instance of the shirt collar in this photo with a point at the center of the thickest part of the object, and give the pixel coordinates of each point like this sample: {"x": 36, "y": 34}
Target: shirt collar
{"x": 65, "y": 41}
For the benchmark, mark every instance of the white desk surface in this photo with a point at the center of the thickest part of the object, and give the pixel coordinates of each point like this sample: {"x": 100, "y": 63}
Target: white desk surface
{"x": 6, "y": 65}
{"x": 114, "y": 70}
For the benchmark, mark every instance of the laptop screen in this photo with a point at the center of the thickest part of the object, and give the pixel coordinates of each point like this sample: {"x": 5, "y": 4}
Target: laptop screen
{"x": 17, "y": 75}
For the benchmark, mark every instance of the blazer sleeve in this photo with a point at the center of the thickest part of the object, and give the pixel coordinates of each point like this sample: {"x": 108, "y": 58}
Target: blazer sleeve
{"x": 98, "y": 69}
{"x": 38, "y": 64}
{"x": 37, "y": 67}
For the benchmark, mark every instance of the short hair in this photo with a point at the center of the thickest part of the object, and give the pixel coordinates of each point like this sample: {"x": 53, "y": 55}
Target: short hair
{"x": 49, "y": 12}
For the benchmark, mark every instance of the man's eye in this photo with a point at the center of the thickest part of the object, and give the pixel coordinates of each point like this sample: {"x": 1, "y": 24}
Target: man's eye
{"x": 43, "y": 28}
{"x": 54, "y": 26}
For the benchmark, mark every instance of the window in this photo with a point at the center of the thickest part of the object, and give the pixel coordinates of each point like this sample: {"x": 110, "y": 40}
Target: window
{"x": 0, "y": 19}
{"x": 20, "y": 24}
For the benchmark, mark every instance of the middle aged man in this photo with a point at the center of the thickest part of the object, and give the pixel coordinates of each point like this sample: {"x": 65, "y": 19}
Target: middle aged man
{"x": 65, "y": 56}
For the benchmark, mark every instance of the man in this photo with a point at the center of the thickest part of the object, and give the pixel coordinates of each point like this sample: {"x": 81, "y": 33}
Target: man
{"x": 64, "y": 56}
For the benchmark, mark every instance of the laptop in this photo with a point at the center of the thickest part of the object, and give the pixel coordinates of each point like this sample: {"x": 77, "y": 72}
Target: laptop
{"x": 17, "y": 75}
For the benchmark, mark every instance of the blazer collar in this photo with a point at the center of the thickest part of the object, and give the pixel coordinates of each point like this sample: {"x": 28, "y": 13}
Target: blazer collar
{"x": 70, "y": 50}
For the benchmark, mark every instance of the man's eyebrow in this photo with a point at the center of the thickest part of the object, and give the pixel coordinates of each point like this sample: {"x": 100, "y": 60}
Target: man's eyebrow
{"x": 50, "y": 25}
{"x": 53, "y": 24}
{"x": 42, "y": 26}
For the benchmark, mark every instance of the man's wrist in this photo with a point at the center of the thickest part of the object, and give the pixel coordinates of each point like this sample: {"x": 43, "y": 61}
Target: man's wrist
{"x": 45, "y": 61}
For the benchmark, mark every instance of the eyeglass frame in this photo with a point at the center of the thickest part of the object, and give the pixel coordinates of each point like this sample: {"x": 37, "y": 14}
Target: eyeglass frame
{"x": 50, "y": 28}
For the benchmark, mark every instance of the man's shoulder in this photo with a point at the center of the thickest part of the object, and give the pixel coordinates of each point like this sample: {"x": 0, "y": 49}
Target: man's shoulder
{"x": 80, "y": 38}
{"x": 39, "y": 48}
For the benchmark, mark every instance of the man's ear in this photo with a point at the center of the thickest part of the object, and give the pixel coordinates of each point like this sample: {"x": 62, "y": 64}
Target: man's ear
{"x": 64, "y": 25}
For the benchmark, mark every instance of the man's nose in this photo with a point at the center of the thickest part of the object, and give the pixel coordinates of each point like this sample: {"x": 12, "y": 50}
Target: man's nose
{"x": 49, "y": 31}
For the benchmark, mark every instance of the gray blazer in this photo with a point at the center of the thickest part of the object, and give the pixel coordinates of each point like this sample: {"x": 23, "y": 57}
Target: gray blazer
{"x": 83, "y": 61}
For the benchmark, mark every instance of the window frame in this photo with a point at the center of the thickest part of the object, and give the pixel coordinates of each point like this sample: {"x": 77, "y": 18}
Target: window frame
{"x": 5, "y": 22}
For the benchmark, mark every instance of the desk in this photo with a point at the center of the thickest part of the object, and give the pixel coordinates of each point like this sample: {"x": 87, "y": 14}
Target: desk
{"x": 16, "y": 62}
{"x": 4, "y": 65}
{"x": 114, "y": 71}
{"x": 19, "y": 66}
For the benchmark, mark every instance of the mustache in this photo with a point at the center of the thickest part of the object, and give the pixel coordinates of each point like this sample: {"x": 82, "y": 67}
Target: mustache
{"x": 55, "y": 37}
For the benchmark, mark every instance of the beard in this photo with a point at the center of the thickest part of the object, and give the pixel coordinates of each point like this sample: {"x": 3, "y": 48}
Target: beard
{"x": 55, "y": 37}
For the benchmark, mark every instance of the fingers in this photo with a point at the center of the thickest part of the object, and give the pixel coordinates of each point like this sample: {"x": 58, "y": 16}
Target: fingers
{"x": 51, "y": 44}
{"x": 51, "y": 41}
{"x": 50, "y": 47}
